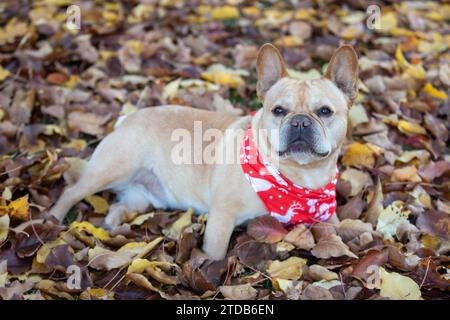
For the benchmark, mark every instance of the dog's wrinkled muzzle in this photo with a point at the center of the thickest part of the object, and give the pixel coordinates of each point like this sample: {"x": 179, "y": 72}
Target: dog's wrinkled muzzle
{"x": 302, "y": 134}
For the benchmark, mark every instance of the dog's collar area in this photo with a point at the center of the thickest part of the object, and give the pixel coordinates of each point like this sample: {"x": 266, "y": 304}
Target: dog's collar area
{"x": 284, "y": 200}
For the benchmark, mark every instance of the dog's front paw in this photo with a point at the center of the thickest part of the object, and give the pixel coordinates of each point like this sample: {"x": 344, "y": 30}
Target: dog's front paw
{"x": 213, "y": 253}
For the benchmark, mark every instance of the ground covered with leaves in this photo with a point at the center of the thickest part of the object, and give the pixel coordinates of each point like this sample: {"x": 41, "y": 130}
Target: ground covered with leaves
{"x": 62, "y": 90}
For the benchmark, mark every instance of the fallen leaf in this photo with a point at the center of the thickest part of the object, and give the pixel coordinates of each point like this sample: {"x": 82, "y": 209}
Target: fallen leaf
{"x": 408, "y": 173}
{"x": 99, "y": 204}
{"x": 99, "y": 233}
{"x": 301, "y": 237}
{"x": 266, "y": 229}
{"x": 141, "y": 281}
{"x": 410, "y": 128}
{"x": 239, "y": 292}
{"x": 397, "y": 287}
{"x": 434, "y": 222}
{"x": 18, "y": 209}
{"x": 433, "y": 92}
{"x": 290, "y": 269}
{"x": 225, "y": 13}
{"x": 4, "y": 227}
{"x": 331, "y": 246}
{"x": 390, "y": 218}
{"x": 360, "y": 155}
{"x": 318, "y": 272}
{"x": 222, "y": 75}
{"x": 175, "y": 229}
{"x": 349, "y": 229}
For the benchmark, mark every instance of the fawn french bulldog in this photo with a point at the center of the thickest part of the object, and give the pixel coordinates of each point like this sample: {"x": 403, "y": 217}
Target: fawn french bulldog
{"x": 136, "y": 159}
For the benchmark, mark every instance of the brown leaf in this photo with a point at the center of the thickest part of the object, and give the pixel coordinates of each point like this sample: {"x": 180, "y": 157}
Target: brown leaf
{"x": 239, "y": 292}
{"x": 87, "y": 122}
{"x": 266, "y": 229}
{"x": 29, "y": 241}
{"x": 301, "y": 237}
{"x": 434, "y": 222}
{"x": 426, "y": 275}
{"x": 331, "y": 246}
{"x": 187, "y": 241}
{"x": 322, "y": 230}
{"x": 363, "y": 268}
{"x": 375, "y": 206}
{"x": 252, "y": 252}
{"x": 317, "y": 273}
{"x": 349, "y": 229}
{"x": 353, "y": 208}
{"x": 434, "y": 170}
{"x": 316, "y": 293}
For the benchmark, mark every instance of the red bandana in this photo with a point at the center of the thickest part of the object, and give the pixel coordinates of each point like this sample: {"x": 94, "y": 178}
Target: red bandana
{"x": 287, "y": 202}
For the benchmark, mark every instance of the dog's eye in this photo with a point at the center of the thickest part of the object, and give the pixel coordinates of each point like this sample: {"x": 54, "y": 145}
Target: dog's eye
{"x": 325, "y": 111}
{"x": 278, "y": 111}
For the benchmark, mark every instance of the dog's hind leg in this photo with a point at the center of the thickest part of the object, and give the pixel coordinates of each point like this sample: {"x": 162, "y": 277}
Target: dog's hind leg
{"x": 102, "y": 172}
{"x": 133, "y": 199}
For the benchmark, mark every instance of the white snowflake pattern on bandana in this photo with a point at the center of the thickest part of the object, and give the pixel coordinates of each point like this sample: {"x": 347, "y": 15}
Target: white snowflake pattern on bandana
{"x": 287, "y": 202}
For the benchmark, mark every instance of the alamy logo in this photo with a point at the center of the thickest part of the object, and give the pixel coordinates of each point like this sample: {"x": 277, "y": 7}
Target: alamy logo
{"x": 374, "y": 19}
{"x": 73, "y": 21}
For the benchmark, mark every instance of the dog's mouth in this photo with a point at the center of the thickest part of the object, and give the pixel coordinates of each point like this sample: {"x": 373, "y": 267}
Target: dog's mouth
{"x": 301, "y": 146}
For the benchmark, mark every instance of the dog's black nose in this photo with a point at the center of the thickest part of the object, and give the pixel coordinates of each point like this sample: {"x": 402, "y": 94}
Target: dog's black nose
{"x": 301, "y": 121}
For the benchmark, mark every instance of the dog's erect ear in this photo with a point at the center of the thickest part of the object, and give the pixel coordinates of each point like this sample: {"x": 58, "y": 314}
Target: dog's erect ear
{"x": 270, "y": 67}
{"x": 343, "y": 70}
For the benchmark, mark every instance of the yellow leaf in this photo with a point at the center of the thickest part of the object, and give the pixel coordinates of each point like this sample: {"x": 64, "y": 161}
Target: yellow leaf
{"x": 435, "y": 93}
{"x": 4, "y": 73}
{"x": 410, "y": 128}
{"x": 141, "y": 281}
{"x": 99, "y": 204}
{"x": 141, "y": 219}
{"x": 430, "y": 242}
{"x": 51, "y": 129}
{"x": 135, "y": 46}
{"x": 4, "y": 227}
{"x": 397, "y": 287}
{"x": 289, "y": 42}
{"x": 225, "y": 13}
{"x": 251, "y": 11}
{"x": 99, "y": 233}
{"x": 388, "y": 21}
{"x": 72, "y": 82}
{"x": 290, "y": 269}
{"x": 140, "y": 248}
{"x": 156, "y": 271}
{"x": 138, "y": 266}
{"x": 19, "y": 208}
{"x": 416, "y": 71}
{"x": 76, "y": 144}
{"x": 222, "y": 75}
{"x": 360, "y": 155}
{"x": 98, "y": 293}
{"x": 408, "y": 173}
{"x": 175, "y": 229}
{"x": 304, "y": 14}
